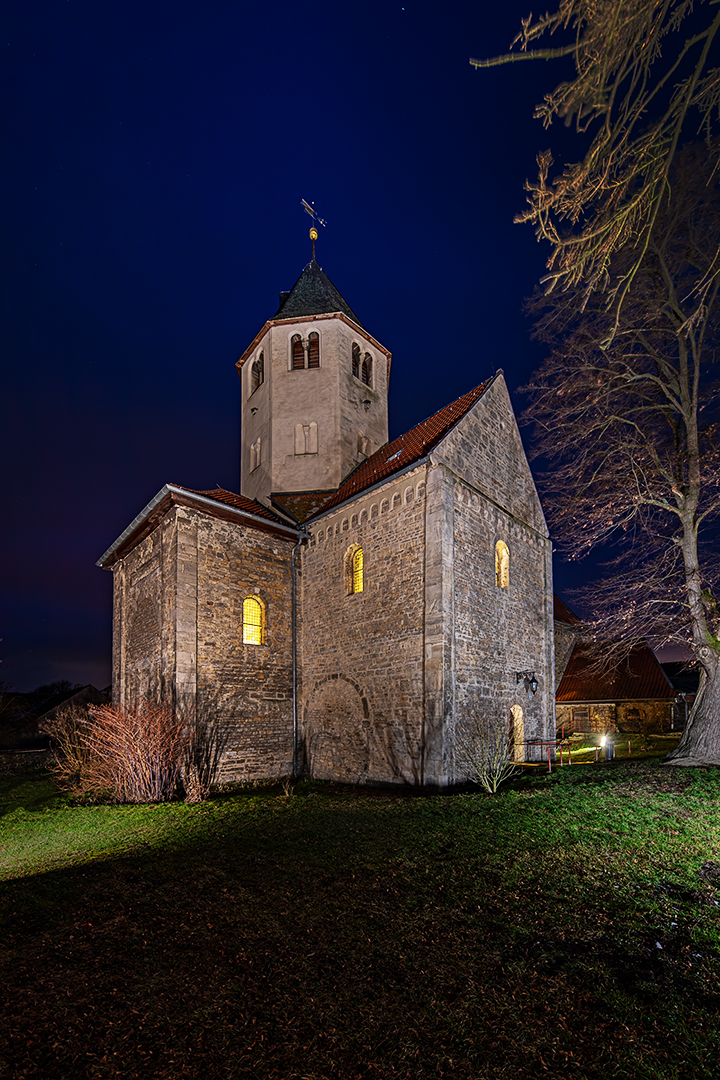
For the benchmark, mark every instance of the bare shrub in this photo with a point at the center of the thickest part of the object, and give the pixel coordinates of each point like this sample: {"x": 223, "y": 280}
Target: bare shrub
{"x": 483, "y": 751}
{"x": 135, "y": 753}
{"x": 74, "y": 766}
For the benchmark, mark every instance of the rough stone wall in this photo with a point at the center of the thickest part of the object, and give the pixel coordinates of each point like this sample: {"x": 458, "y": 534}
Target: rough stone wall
{"x": 652, "y": 716}
{"x": 486, "y": 450}
{"x": 179, "y": 598}
{"x": 362, "y": 654}
{"x": 501, "y": 631}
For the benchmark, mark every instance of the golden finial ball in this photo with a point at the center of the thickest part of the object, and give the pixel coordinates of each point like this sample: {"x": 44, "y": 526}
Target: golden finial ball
{"x": 313, "y": 233}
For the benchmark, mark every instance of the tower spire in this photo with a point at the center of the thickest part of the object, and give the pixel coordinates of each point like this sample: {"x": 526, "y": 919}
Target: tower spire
{"x": 309, "y": 208}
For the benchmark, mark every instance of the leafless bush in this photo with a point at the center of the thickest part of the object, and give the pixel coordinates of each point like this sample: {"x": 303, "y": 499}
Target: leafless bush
{"x": 142, "y": 753}
{"x": 483, "y": 751}
{"x": 74, "y": 766}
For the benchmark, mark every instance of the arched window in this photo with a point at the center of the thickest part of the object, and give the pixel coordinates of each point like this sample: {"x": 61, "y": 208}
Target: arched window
{"x": 253, "y": 624}
{"x": 356, "y": 360}
{"x": 314, "y": 350}
{"x": 367, "y": 369}
{"x": 502, "y": 565}
{"x": 258, "y": 372}
{"x": 518, "y": 733}
{"x": 354, "y": 569}
{"x": 298, "y": 353}
{"x": 357, "y": 571}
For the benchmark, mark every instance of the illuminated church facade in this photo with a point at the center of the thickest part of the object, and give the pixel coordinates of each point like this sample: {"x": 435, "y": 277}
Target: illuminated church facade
{"x": 360, "y": 600}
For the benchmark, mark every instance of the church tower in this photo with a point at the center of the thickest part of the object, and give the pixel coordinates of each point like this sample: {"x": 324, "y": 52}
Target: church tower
{"x": 314, "y": 394}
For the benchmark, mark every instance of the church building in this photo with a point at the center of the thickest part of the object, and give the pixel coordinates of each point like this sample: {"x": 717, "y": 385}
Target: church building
{"x": 361, "y": 600}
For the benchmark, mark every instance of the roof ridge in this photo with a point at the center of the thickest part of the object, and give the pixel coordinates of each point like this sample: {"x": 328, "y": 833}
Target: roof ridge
{"x": 413, "y": 446}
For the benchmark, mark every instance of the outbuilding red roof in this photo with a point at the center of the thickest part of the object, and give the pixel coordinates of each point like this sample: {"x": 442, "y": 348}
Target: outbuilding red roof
{"x": 637, "y": 678}
{"x": 407, "y": 449}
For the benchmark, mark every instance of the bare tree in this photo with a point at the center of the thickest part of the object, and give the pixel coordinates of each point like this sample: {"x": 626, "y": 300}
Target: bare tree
{"x": 630, "y": 432}
{"x": 641, "y": 88}
{"x": 483, "y": 750}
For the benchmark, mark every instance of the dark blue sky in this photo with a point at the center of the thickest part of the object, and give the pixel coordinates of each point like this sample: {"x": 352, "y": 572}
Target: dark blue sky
{"x": 154, "y": 158}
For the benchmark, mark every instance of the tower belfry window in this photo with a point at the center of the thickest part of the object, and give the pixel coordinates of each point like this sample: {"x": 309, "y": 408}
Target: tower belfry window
{"x": 258, "y": 373}
{"x": 314, "y": 350}
{"x": 356, "y": 360}
{"x": 367, "y": 369}
{"x": 298, "y": 353}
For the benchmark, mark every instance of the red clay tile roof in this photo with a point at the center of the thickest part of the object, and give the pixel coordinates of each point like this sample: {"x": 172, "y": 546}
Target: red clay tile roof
{"x": 408, "y": 448}
{"x": 250, "y": 506}
{"x": 562, "y": 613}
{"x": 637, "y": 678}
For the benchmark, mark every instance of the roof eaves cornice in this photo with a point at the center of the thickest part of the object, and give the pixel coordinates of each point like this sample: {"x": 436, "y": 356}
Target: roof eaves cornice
{"x": 173, "y": 495}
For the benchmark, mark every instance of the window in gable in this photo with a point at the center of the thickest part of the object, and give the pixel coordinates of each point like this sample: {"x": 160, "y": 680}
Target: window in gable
{"x": 253, "y": 623}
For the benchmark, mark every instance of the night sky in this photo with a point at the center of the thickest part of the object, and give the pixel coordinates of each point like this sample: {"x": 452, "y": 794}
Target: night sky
{"x": 154, "y": 159}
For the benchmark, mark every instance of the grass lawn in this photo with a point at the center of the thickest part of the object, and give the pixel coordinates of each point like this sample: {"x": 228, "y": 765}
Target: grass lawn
{"x": 569, "y": 926}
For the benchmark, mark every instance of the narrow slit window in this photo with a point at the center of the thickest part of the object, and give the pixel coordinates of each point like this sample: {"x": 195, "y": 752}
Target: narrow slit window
{"x": 314, "y": 350}
{"x": 367, "y": 369}
{"x": 356, "y": 360}
{"x": 298, "y": 353}
{"x": 357, "y": 571}
{"x": 502, "y": 565}
{"x": 253, "y": 627}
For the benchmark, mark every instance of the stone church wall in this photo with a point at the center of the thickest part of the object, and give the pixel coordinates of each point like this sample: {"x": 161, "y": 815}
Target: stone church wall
{"x": 501, "y": 631}
{"x": 179, "y": 597}
{"x": 362, "y": 654}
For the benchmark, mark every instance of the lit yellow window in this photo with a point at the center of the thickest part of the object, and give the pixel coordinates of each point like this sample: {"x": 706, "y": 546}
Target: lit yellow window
{"x": 357, "y": 571}
{"x": 502, "y": 565}
{"x": 253, "y": 629}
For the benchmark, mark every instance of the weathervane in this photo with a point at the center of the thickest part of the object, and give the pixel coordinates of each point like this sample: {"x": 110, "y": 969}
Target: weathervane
{"x": 310, "y": 209}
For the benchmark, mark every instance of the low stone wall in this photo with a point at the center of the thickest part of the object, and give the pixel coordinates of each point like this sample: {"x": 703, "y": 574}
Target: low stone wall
{"x": 18, "y": 761}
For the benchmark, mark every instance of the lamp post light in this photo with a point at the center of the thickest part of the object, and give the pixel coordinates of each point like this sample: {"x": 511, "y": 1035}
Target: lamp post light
{"x": 528, "y": 678}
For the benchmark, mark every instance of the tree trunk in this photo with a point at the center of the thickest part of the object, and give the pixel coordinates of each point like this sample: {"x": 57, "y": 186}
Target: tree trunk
{"x": 700, "y": 742}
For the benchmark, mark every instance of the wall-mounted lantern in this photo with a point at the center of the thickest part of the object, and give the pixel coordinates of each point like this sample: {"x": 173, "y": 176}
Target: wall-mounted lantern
{"x": 529, "y": 680}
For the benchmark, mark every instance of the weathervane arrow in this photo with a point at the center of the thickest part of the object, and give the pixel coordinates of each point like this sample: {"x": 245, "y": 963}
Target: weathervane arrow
{"x": 310, "y": 209}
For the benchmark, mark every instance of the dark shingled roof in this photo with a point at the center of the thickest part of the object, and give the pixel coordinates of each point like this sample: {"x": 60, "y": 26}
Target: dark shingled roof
{"x": 313, "y": 294}
{"x": 637, "y": 678}
{"x": 415, "y": 444}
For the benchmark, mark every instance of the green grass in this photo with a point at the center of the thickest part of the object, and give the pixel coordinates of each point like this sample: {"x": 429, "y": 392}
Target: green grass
{"x": 569, "y": 926}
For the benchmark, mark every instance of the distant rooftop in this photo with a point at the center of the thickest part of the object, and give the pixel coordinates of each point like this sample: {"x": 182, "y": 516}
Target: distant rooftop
{"x": 639, "y": 677}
